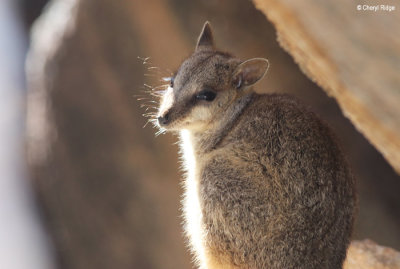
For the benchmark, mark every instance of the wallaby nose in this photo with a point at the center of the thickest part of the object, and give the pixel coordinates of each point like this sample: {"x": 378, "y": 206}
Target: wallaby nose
{"x": 163, "y": 120}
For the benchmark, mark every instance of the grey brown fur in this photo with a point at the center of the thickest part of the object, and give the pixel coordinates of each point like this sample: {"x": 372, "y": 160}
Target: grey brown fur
{"x": 267, "y": 185}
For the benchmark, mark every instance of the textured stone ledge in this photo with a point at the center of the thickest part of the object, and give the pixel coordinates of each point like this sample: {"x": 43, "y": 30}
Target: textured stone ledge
{"x": 354, "y": 55}
{"x": 367, "y": 254}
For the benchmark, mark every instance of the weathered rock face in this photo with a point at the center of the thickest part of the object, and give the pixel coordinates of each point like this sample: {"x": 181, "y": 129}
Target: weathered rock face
{"x": 367, "y": 254}
{"x": 93, "y": 164}
{"x": 108, "y": 188}
{"x": 353, "y": 55}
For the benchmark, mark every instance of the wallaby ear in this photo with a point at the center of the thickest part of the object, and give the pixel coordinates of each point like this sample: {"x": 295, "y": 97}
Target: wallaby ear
{"x": 205, "y": 40}
{"x": 249, "y": 72}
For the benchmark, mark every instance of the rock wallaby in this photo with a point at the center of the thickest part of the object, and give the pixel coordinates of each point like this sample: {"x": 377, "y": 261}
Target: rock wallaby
{"x": 267, "y": 185}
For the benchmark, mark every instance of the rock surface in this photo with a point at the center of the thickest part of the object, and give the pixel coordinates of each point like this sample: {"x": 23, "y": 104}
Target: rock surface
{"x": 353, "y": 54}
{"x": 367, "y": 254}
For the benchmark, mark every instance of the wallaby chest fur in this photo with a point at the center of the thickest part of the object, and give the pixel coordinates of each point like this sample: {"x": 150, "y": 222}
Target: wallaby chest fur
{"x": 266, "y": 185}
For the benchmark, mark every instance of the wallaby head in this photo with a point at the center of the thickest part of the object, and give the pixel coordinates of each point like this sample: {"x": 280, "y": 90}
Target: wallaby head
{"x": 205, "y": 85}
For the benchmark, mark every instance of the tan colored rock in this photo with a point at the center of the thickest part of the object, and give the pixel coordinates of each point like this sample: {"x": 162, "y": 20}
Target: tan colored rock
{"x": 353, "y": 54}
{"x": 367, "y": 254}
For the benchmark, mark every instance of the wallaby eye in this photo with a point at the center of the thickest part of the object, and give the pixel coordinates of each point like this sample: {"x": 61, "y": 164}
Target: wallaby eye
{"x": 206, "y": 95}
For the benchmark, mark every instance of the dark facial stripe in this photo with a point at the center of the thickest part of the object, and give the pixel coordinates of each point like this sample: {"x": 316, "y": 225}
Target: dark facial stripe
{"x": 198, "y": 66}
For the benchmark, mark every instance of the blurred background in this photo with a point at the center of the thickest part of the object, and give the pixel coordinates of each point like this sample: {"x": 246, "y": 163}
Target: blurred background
{"x": 83, "y": 184}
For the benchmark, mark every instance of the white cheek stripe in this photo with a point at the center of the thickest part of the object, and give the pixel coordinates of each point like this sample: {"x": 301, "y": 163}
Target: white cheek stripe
{"x": 167, "y": 101}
